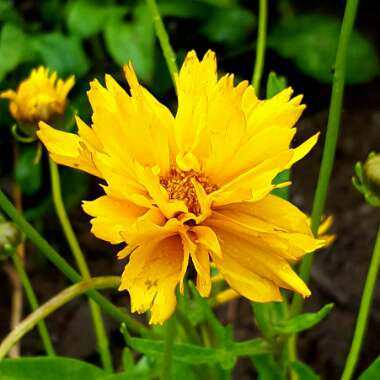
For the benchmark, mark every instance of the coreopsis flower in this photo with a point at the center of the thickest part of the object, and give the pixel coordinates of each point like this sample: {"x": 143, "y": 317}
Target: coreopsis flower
{"x": 41, "y": 96}
{"x": 194, "y": 187}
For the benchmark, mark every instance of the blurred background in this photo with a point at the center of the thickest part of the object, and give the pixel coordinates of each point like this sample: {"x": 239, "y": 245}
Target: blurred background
{"x": 88, "y": 38}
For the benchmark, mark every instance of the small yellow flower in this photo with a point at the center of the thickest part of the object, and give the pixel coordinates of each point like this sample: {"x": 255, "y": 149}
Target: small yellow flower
{"x": 194, "y": 186}
{"x": 39, "y": 97}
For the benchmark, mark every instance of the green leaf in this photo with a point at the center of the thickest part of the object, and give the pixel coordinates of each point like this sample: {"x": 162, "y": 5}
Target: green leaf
{"x": 372, "y": 372}
{"x": 13, "y": 48}
{"x": 193, "y": 354}
{"x": 310, "y": 41}
{"x": 127, "y": 359}
{"x": 303, "y": 371}
{"x": 267, "y": 368}
{"x": 62, "y": 53}
{"x": 302, "y": 322}
{"x": 229, "y": 26}
{"x": 46, "y": 368}
{"x": 183, "y": 9}
{"x": 133, "y": 41}
{"x": 28, "y": 174}
{"x": 281, "y": 177}
{"x": 8, "y": 12}
{"x": 275, "y": 84}
{"x": 86, "y": 18}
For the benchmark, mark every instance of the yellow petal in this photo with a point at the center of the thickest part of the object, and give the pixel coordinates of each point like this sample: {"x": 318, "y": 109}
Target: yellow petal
{"x": 194, "y": 82}
{"x": 207, "y": 237}
{"x": 159, "y": 194}
{"x": 255, "y": 150}
{"x": 302, "y": 150}
{"x": 256, "y": 182}
{"x": 245, "y": 281}
{"x": 111, "y": 216}
{"x": 151, "y": 277}
{"x": 68, "y": 149}
{"x": 149, "y": 227}
{"x": 279, "y": 110}
{"x": 253, "y": 258}
{"x": 201, "y": 261}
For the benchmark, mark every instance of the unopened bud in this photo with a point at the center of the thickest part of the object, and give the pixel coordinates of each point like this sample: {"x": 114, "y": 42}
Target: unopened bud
{"x": 372, "y": 172}
{"x": 10, "y": 236}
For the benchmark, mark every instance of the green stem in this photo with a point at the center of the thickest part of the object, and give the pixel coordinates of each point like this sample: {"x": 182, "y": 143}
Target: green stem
{"x": 261, "y": 43}
{"x": 331, "y": 139}
{"x": 68, "y": 270}
{"x": 53, "y": 304}
{"x": 97, "y": 320}
{"x": 163, "y": 37}
{"x": 365, "y": 306}
{"x": 32, "y": 299}
{"x": 170, "y": 329}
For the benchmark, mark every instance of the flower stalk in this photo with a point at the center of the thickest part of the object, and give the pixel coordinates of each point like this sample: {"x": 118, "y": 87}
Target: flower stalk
{"x": 163, "y": 37}
{"x": 331, "y": 139}
{"x": 32, "y": 299}
{"x": 53, "y": 304}
{"x": 365, "y": 307}
{"x": 261, "y": 44}
{"x": 100, "y": 331}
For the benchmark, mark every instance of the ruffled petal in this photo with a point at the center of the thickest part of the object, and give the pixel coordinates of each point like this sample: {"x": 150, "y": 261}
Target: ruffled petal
{"x": 255, "y": 259}
{"x": 279, "y": 110}
{"x": 111, "y": 216}
{"x": 245, "y": 281}
{"x": 68, "y": 149}
{"x": 254, "y": 184}
{"x": 201, "y": 261}
{"x": 151, "y": 277}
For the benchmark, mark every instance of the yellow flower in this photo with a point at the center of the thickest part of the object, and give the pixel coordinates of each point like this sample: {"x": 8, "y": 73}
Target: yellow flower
{"x": 39, "y": 97}
{"x": 194, "y": 186}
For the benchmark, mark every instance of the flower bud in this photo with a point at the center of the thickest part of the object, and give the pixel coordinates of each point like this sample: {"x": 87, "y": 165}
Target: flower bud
{"x": 372, "y": 172}
{"x": 10, "y": 237}
{"x": 367, "y": 179}
{"x": 41, "y": 96}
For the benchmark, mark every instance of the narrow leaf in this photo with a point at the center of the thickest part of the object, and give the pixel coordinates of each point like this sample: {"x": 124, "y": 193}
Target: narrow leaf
{"x": 302, "y": 322}
{"x": 303, "y": 371}
{"x": 372, "y": 372}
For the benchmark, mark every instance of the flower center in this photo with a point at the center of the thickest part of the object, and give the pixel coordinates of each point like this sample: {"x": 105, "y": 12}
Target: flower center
{"x": 179, "y": 187}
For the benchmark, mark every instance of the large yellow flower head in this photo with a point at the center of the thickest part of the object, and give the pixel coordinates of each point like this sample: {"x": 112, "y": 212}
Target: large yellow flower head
{"x": 194, "y": 186}
{"x": 39, "y": 97}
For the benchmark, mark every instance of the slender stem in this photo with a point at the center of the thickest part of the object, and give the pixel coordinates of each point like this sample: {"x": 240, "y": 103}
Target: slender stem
{"x": 261, "y": 43}
{"x": 32, "y": 299}
{"x": 365, "y": 306}
{"x": 163, "y": 37}
{"x": 97, "y": 320}
{"x": 17, "y": 295}
{"x": 67, "y": 269}
{"x": 331, "y": 139}
{"x": 170, "y": 329}
{"x": 53, "y": 304}
{"x": 16, "y": 305}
